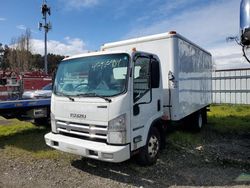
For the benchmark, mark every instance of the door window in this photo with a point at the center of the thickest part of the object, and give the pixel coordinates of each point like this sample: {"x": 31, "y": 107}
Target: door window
{"x": 141, "y": 77}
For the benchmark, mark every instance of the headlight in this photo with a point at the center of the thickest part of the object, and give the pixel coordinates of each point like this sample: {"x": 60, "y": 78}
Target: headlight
{"x": 117, "y": 130}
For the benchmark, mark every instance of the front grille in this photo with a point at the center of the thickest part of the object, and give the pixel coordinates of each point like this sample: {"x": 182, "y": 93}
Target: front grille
{"x": 98, "y": 132}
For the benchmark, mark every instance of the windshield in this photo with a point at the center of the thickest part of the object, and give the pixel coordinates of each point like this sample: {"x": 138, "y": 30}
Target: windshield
{"x": 103, "y": 75}
{"x": 47, "y": 87}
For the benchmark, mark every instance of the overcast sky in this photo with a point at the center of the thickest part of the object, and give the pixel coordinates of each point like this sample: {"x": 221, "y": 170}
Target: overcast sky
{"x": 84, "y": 25}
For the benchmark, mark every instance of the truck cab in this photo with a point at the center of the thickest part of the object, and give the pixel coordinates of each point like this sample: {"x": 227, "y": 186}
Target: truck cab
{"x": 107, "y": 106}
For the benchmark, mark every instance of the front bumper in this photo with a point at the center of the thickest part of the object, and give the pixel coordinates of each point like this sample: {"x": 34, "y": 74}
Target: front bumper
{"x": 86, "y": 148}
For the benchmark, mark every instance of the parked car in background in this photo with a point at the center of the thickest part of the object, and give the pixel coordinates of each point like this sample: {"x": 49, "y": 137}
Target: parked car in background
{"x": 45, "y": 92}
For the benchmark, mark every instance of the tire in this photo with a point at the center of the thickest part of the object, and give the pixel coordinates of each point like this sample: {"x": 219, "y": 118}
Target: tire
{"x": 198, "y": 121}
{"x": 149, "y": 153}
{"x": 41, "y": 121}
{"x": 204, "y": 114}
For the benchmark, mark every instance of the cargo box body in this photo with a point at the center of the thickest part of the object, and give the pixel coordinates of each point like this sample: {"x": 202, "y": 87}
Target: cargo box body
{"x": 186, "y": 71}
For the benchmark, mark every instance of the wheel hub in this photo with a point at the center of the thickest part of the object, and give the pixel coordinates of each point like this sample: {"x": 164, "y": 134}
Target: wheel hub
{"x": 153, "y": 146}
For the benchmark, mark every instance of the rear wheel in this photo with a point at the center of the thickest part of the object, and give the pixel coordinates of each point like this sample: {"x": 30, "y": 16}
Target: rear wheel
{"x": 198, "y": 121}
{"x": 149, "y": 153}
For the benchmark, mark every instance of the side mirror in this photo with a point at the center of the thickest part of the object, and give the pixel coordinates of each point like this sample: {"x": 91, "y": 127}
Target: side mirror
{"x": 136, "y": 109}
{"x": 245, "y": 22}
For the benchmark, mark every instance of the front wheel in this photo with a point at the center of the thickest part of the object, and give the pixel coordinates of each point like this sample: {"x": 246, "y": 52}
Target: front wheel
{"x": 149, "y": 153}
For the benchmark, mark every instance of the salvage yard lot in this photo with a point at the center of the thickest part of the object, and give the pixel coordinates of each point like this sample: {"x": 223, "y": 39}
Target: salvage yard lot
{"x": 218, "y": 156}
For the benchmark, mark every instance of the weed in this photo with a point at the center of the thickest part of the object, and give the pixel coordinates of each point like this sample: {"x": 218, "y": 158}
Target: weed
{"x": 185, "y": 138}
{"x": 20, "y": 138}
{"x": 230, "y": 118}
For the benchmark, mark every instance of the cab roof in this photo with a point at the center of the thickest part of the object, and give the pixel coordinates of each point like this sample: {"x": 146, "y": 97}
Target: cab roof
{"x": 96, "y": 53}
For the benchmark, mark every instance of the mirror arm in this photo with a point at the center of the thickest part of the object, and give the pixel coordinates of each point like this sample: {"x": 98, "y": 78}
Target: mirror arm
{"x": 244, "y": 54}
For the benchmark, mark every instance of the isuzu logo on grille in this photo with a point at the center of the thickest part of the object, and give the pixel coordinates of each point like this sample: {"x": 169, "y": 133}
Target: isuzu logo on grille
{"x": 80, "y": 116}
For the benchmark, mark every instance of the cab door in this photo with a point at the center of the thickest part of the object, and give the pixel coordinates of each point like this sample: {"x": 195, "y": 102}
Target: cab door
{"x": 146, "y": 97}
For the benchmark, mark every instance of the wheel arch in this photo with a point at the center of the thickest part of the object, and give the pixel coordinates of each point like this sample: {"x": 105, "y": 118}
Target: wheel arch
{"x": 160, "y": 126}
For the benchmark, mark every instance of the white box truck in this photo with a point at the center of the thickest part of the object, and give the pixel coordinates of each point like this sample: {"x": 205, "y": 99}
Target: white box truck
{"x": 115, "y": 103}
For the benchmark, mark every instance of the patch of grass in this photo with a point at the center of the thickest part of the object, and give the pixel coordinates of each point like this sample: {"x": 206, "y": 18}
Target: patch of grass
{"x": 26, "y": 155}
{"x": 222, "y": 118}
{"x": 230, "y": 118}
{"x": 14, "y": 126}
{"x": 21, "y": 138}
{"x": 185, "y": 138}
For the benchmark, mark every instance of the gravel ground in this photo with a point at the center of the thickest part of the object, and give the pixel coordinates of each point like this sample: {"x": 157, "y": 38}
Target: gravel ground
{"x": 216, "y": 163}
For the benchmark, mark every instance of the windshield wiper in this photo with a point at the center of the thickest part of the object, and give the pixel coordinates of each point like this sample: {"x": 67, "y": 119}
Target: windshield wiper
{"x": 94, "y": 95}
{"x": 64, "y": 95}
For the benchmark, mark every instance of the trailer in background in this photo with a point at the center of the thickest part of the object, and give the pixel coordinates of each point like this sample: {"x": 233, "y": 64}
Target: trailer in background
{"x": 12, "y": 86}
{"x": 35, "y": 80}
{"x": 37, "y": 109}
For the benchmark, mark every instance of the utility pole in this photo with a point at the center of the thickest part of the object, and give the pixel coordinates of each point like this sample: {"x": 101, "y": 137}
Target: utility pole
{"x": 47, "y": 26}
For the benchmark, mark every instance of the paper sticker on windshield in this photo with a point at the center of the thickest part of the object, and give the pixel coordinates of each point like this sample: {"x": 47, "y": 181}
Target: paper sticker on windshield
{"x": 102, "y": 65}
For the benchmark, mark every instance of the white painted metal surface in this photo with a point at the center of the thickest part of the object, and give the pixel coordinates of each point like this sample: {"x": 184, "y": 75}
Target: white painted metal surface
{"x": 110, "y": 130}
{"x": 91, "y": 149}
{"x": 231, "y": 86}
{"x": 190, "y": 65}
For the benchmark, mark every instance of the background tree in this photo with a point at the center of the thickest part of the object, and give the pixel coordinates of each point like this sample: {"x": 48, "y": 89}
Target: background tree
{"x": 4, "y": 60}
{"x": 18, "y": 56}
{"x": 53, "y": 62}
